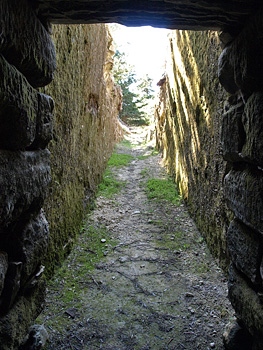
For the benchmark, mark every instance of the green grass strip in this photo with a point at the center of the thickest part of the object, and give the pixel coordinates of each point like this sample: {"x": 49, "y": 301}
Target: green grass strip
{"x": 119, "y": 159}
{"x": 162, "y": 189}
{"x": 109, "y": 186}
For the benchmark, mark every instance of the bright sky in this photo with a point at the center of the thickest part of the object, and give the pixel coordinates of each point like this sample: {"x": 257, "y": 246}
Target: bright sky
{"x": 144, "y": 47}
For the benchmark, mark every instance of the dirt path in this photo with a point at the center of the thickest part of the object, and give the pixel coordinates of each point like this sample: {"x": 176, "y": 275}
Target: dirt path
{"x": 156, "y": 286}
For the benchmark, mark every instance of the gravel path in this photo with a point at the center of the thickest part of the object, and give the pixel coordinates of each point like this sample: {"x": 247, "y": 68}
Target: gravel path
{"x": 157, "y": 287}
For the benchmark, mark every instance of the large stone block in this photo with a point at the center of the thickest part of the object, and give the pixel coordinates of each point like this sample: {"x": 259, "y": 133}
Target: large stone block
{"x": 240, "y": 65}
{"x": 232, "y": 133}
{"x": 25, "y": 42}
{"x": 18, "y": 108}
{"x": 253, "y": 126}
{"x": 173, "y": 14}
{"x": 245, "y": 249}
{"x": 14, "y": 325}
{"x": 24, "y": 177}
{"x": 28, "y": 243}
{"x": 246, "y": 303}
{"x": 11, "y": 286}
{"x": 44, "y": 127}
{"x": 3, "y": 269}
{"x": 243, "y": 190}
{"x": 226, "y": 72}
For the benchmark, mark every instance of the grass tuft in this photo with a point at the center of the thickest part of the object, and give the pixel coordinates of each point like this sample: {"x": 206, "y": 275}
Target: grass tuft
{"x": 90, "y": 250}
{"x": 118, "y": 160}
{"x": 162, "y": 189}
{"x": 109, "y": 186}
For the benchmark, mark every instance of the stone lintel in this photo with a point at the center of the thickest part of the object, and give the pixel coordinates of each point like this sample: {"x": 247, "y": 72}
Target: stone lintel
{"x": 173, "y": 14}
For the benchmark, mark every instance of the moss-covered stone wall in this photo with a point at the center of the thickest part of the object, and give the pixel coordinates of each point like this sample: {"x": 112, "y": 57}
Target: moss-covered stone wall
{"x": 188, "y": 131}
{"x": 85, "y": 129}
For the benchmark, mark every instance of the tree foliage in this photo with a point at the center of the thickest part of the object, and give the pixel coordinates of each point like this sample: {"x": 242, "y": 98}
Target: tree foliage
{"x": 136, "y": 92}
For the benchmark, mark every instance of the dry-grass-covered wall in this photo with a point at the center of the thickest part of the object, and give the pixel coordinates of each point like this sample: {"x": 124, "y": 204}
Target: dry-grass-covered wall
{"x": 85, "y": 128}
{"x": 188, "y": 130}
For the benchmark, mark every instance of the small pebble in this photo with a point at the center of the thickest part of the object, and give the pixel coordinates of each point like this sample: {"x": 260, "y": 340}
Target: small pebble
{"x": 212, "y": 345}
{"x": 122, "y": 259}
{"x": 136, "y": 212}
{"x": 103, "y": 240}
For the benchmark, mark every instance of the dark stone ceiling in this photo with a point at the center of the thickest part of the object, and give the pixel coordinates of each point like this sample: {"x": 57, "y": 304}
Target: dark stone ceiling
{"x": 228, "y": 15}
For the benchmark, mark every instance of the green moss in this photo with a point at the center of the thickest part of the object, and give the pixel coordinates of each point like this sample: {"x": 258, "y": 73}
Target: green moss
{"x": 67, "y": 286}
{"x": 82, "y": 144}
{"x": 109, "y": 186}
{"x": 120, "y": 159}
{"x": 145, "y": 172}
{"x": 65, "y": 214}
{"x": 162, "y": 189}
{"x": 174, "y": 241}
{"x": 145, "y": 156}
{"x": 93, "y": 245}
{"x": 127, "y": 143}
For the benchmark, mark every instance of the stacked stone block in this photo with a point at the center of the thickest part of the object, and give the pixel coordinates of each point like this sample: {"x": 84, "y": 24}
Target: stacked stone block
{"x": 27, "y": 61}
{"x": 241, "y": 73}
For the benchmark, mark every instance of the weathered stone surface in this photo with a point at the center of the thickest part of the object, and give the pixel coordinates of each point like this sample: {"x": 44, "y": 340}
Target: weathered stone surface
{"x": 24, "y": 178}
{"x": 226, "y": 72}
{"x": 30, "y": 246}
{"x": 174, "y": 14}
{"x": 14, "y": 325}
{"x": 236, "y": 337}
{"x": 11, "y": 286}
{"x": 245, "y": 249}
{"x": 188, "y": 124}
{"x": 44, "y": 127}
{"x": 3, "y": 269}
{"x": 246, "y": 303}
{"x": 18, "y": 108}
{"x": 25, "y": 43}
{"x": 36, "y": 339}
{"x": 232, "y": 125}
{"x": 253, "y": 126}
{"x": 241, "y": 61}
{"x": 243, "y": 191}
{"x": 83, "y": 138}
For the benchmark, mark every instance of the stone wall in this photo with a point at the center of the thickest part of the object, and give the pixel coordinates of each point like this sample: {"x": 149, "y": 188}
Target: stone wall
{"x": 240, "y": 72}
{"x": 27, "y": 61}
{"x": 188, "y": 121}
{"x": 197, "y": 123}
{"x": 86, "y": 101}
{"x": 85, "y": 129}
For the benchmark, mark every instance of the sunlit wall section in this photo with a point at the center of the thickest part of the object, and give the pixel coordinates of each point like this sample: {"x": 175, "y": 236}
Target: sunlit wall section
{"x": 188, "y": 122}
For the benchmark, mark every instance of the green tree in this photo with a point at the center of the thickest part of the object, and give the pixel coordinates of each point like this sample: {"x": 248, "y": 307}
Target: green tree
{"x": 134, "y": 103}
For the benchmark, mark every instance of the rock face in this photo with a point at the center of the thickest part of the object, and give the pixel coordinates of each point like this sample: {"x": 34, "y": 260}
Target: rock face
{"x": 191, "y": 142}
{"x": 27, "y": 61}
{"x": 243, "y": 181}
{"x": 84, "y": 129}
{"x": 188, "y": 131}
{"x": 196, "y": 123}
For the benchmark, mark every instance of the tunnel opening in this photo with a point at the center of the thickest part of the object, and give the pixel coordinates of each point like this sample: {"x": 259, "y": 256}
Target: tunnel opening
{"x": 27, "y": 63}
{"x": 69, "y": 305}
